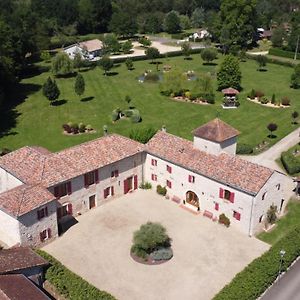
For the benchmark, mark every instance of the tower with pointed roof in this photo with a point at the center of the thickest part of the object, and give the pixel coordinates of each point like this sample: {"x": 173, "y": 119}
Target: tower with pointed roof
{"x": 216, "y": 137}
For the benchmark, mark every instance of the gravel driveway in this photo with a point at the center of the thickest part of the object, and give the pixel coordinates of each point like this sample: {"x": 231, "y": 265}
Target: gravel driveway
{"x": 206, "y": 255}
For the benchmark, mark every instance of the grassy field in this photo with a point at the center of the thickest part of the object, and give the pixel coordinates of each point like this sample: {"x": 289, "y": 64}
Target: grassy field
{"x": 34, "y": 122}
{"x": 284, "y": 225}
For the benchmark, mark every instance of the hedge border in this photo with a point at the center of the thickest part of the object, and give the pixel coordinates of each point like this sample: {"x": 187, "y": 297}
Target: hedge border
{"x": 273, "y": 61}
{"x": 70, "y": 285}
{"x": 261, "y": 273}
{"x": 283, "y": 53}
{"x": 290, "y": 163}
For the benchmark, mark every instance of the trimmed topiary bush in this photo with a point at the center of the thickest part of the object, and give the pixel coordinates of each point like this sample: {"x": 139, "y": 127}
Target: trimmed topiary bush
{"x": 81, "y": 127}
{"x": 290, "y": 163}
{"x": 264, "y": 100}
{"x": 252, "y": 94}
{"x": 244, "y": 149}
{"x": 135, "y": 117}
{"x": 259, "y": 94}
{"x": 161, "y": 190}
{"x": 115, "y": 115}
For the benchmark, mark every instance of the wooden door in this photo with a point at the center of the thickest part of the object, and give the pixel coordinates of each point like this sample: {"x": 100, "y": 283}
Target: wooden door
{"x": 92, "y": 201}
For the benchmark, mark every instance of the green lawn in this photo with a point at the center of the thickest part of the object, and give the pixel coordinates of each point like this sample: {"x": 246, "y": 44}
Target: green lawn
{"x": 284, "y": 225}
{"x": 35, "y": 122}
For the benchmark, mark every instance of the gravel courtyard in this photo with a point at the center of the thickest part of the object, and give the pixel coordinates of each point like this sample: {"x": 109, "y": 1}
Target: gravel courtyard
{"x": 206, "y": 255}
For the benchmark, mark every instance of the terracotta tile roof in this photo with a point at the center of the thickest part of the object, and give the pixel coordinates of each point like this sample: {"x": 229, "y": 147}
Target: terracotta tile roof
{"x": 20, "y": 258}
{"x": 86, "y": 157}
{"x": 25, "y": 163}
{"x": 24, "y": 198}
{"x": 92, "y": 45}
{"x": 224, "y": 168}
{"x": 18, "y": 287}
{"x": 216, "y": 131}
{"x": 33, "y": 166}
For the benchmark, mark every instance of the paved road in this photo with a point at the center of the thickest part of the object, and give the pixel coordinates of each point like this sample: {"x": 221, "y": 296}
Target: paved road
{"x": 268, "y": 157}
{"x": 288, "y": 287}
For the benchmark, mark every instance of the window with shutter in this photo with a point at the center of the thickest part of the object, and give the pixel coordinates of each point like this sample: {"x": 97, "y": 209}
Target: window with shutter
{"x": 154, "y": 162}
{"x": 221, "y": 193}
{"x": 216, "y": 206}
{"x": 49, "y": 233}
{"x": 135, "y": 182}
{"x": 169, "y": 169}
{"x": 169, "y": 184}
{"x": 70, "y": 209}
{"x": 231, "y": 197}
{"x": 112, "y": 191}
{"x": 237, "y": 215}
{"x": 69, "y": 187}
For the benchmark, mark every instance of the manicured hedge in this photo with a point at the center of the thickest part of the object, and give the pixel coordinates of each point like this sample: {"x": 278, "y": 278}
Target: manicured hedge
{"x": 250, "y": 283}
{"x": 244, "y": 149}
{"x": 275, "y": 61}
{"x": 290, "y": 163}
{"x": 70, "y": 285}
{"x": 283, "y": 53}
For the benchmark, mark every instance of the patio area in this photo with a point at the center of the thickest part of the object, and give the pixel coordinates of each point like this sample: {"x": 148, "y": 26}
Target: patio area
{"x": 206, "y": 255}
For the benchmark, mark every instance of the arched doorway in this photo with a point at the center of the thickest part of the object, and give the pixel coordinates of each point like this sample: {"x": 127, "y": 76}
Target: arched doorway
{"x": 192, "y": 198}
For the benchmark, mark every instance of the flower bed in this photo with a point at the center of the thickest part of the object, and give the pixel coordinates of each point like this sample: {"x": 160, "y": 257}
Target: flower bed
{"x": 268, "y": 104}
{"x": 77, "y": 129}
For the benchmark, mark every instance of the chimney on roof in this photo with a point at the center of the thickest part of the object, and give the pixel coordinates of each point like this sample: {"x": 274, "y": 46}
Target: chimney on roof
{"x": 164, "y": 128}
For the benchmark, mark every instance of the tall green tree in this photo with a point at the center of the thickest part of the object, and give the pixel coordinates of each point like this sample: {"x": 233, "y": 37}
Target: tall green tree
{"x": 238, "y": 17}
{"x": 295, "y": 78}
{"x": 172, "y": 22}
{"x": 111, "y": 43}
{"x": 62, "y": 65}
{"x": 278, "y": 36}
{"x": 229, "y": 74}
{"x": 51, "y": 90}
{"x": 123, "y": 24}
{"x": 79, "y": 86}
{"x": 186, "y": 49}
{"x": 152, "y": 53}
{"x": 106, "y": 64}
{"x": 198, "y": 17}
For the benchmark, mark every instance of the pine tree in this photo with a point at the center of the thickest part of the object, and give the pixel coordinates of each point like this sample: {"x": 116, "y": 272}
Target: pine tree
{"x": 51, "y": 90}
{"x": 79, "y": 85}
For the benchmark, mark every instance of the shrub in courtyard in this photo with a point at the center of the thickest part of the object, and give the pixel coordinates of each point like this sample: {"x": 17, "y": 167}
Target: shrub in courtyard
{"x": 70, "y": 285}
{"x": 261, "y": 61}
{"x": 142, "y": 135}
{"x": 285, "y": 101}
{"x": 146, "y": 186}
{"x": 224, "y": 220}
{"x": 150, "y": 237}
{"x": 89, "y": 127}
{"x": 295, "y": 115}
{"x": 161, "y": 190}
{"x": 244, "y": 149}
{"x": 51, "y": 90}
{"x": 67, "y": 128}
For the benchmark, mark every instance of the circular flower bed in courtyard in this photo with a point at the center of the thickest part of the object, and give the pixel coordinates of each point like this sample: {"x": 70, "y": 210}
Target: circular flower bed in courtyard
{"x": 151, "y": 245}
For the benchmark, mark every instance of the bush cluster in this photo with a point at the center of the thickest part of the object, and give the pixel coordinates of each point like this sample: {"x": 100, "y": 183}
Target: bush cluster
{"x": 283, "y": 53}
{"x": 146, "y": 186}
{"x": 70, "y": 285}
{"x": 250, "y": 283}
{"x": 290, "y": 163}
{"x": 161, "y": 190}
{"x": 149, "y": 238}
{"x": 76, "y": 128}
{"x": 244, "y": 149}
{"x": 285, "y": 101}
{"x": 224, "y": 220}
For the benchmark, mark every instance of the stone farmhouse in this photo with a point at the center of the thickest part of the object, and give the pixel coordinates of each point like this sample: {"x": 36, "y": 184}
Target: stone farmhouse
{"x": 40, "y": 191}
